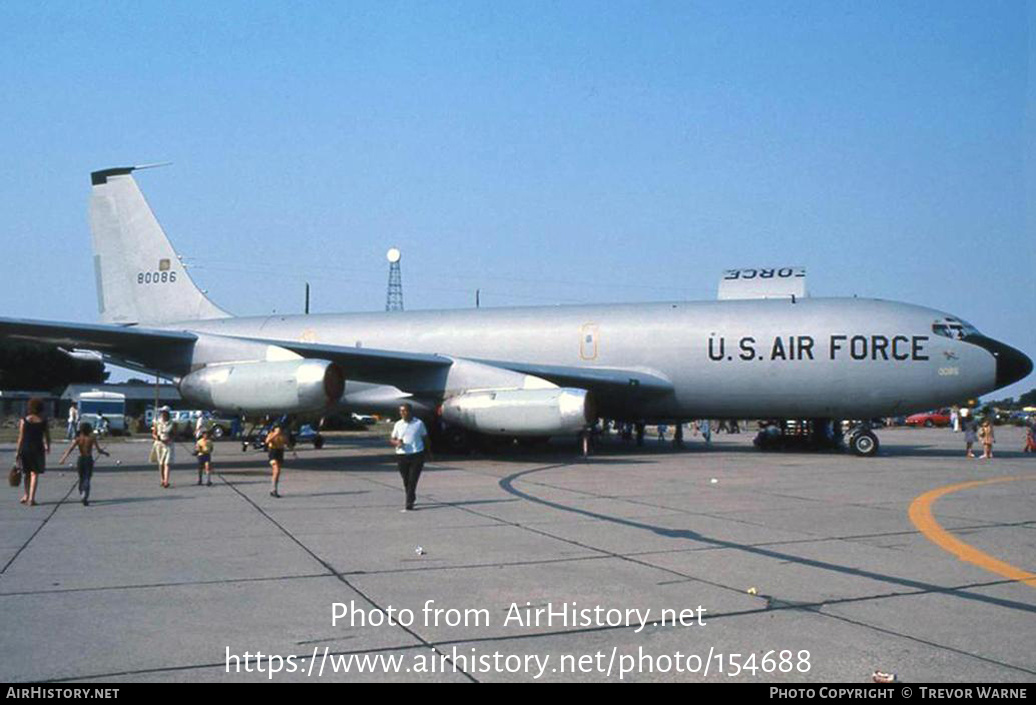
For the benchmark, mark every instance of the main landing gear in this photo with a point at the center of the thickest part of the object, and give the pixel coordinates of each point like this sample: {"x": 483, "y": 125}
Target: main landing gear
{"x": 863, "y": 442}
{"x": 816, "y": 435}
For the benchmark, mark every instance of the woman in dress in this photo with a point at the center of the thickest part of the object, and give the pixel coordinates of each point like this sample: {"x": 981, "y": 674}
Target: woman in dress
{"x": 162, "y": 450}
{"x": 985, "y": 434}
{"x": 33, "y": 447}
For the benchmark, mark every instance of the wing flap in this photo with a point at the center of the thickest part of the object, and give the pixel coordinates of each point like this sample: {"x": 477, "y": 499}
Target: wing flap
{"x": 368, "y": 364}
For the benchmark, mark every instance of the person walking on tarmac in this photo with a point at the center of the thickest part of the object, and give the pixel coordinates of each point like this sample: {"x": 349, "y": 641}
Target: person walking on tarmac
{"x": 970, "y": 428}
{"x": 276, "y": 442}
{"x": 203, "y": 451}
{"x": 988, "y": 438}
{"x": 32, "y": 449}
{"x": 163, "y": 449}
{"x": 86, "y": 442}
{"x": 409, "y": 437}
{"x": 73, "y": 422}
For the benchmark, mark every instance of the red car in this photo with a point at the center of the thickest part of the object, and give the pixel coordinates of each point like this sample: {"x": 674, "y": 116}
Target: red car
{"x": 930, "y": 418}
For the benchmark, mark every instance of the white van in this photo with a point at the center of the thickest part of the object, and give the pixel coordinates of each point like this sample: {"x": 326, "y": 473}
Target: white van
{"x": 112, "y": 405}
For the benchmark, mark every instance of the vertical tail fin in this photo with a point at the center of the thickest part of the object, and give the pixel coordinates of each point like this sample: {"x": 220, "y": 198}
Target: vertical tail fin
{"x": 139, "y": 277}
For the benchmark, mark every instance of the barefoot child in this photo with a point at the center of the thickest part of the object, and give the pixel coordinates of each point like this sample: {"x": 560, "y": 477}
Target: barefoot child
{"x": 86, "y": 443}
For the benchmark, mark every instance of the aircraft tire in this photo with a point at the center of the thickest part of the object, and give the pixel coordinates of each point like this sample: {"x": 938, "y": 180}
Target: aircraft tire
{"x": 864, "y": 444}
{"x": 318, "y": 441}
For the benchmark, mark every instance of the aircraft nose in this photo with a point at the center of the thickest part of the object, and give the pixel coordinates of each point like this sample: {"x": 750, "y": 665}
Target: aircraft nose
{"x": 1011, "y": 365}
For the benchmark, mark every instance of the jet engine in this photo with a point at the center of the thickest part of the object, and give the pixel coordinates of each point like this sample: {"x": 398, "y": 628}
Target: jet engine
{"x": 522, "y": 412}
{"x": 266, "y": 387}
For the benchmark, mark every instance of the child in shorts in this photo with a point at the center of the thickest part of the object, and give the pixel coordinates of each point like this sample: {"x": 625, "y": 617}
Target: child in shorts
{"x": 276, "y": 442}
{"x": 203, "y": 449}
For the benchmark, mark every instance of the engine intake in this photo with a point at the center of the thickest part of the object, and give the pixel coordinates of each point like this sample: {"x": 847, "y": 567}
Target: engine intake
{"x": 522, "y": 412}
{"x": 266, "y": 387}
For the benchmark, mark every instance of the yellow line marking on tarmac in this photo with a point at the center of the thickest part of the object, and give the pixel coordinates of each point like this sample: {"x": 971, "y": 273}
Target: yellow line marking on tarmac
{"x": 921, "y": 515}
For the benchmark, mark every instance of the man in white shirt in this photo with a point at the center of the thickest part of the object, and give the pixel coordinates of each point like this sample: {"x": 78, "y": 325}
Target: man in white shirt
{"x": 203, "y": 424}
{"x": 73, "y": 421}
{"x": 409, "y": 436}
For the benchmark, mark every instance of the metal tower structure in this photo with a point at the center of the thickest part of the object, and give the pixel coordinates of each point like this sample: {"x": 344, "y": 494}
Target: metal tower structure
{"x": 394, "y": 299}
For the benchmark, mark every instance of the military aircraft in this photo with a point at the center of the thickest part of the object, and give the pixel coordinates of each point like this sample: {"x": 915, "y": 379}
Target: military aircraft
{"x": 763, "y": 350}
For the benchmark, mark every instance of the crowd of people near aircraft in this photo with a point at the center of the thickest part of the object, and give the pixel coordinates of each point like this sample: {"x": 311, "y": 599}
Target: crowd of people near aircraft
{"x": 275, "y": 436}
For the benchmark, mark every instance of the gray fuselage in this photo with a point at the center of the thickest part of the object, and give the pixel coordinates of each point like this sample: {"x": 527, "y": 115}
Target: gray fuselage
{"x": 838, "y": 358}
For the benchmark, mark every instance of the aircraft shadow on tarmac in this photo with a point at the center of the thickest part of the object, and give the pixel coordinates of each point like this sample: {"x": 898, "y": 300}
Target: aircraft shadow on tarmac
{"x": 256, "y": 463}
{"x": 508, "y": 485}
{"x": 889, "y": 450}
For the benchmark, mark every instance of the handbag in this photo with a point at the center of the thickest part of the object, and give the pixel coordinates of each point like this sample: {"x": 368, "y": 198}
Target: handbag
{"x": 14, "y": 478}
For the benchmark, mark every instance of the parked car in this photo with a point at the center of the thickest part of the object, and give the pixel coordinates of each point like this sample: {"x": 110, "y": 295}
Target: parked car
{"x": 221, "y": 426}
{"x": 929, "y": 419}
{"x": 186, "y": 420}
{"x": 1022, "y": 418}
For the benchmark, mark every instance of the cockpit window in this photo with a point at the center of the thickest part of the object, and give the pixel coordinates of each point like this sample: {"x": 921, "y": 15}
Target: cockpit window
{"x": 953, "y": 328}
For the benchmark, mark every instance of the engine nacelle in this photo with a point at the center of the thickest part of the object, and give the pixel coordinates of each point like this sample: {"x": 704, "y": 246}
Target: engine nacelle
{"x": 522, "y": 412}
{"x": 266, "y": 387}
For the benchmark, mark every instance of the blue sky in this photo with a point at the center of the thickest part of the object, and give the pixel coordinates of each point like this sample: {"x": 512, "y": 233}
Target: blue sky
{"x": 544, "y": 152}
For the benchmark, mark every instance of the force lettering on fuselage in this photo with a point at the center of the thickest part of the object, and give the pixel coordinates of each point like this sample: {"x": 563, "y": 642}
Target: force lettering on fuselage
{"x": 805, "y": 347}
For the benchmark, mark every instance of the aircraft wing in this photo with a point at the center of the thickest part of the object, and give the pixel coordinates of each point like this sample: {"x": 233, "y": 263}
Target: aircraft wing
{"x": 168, "y": 350}
{"x": 602, "y": 380}
{"x": 146, "y": 347}
{"x": 401, "y": 368}
{"x": 365, "y": 364}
